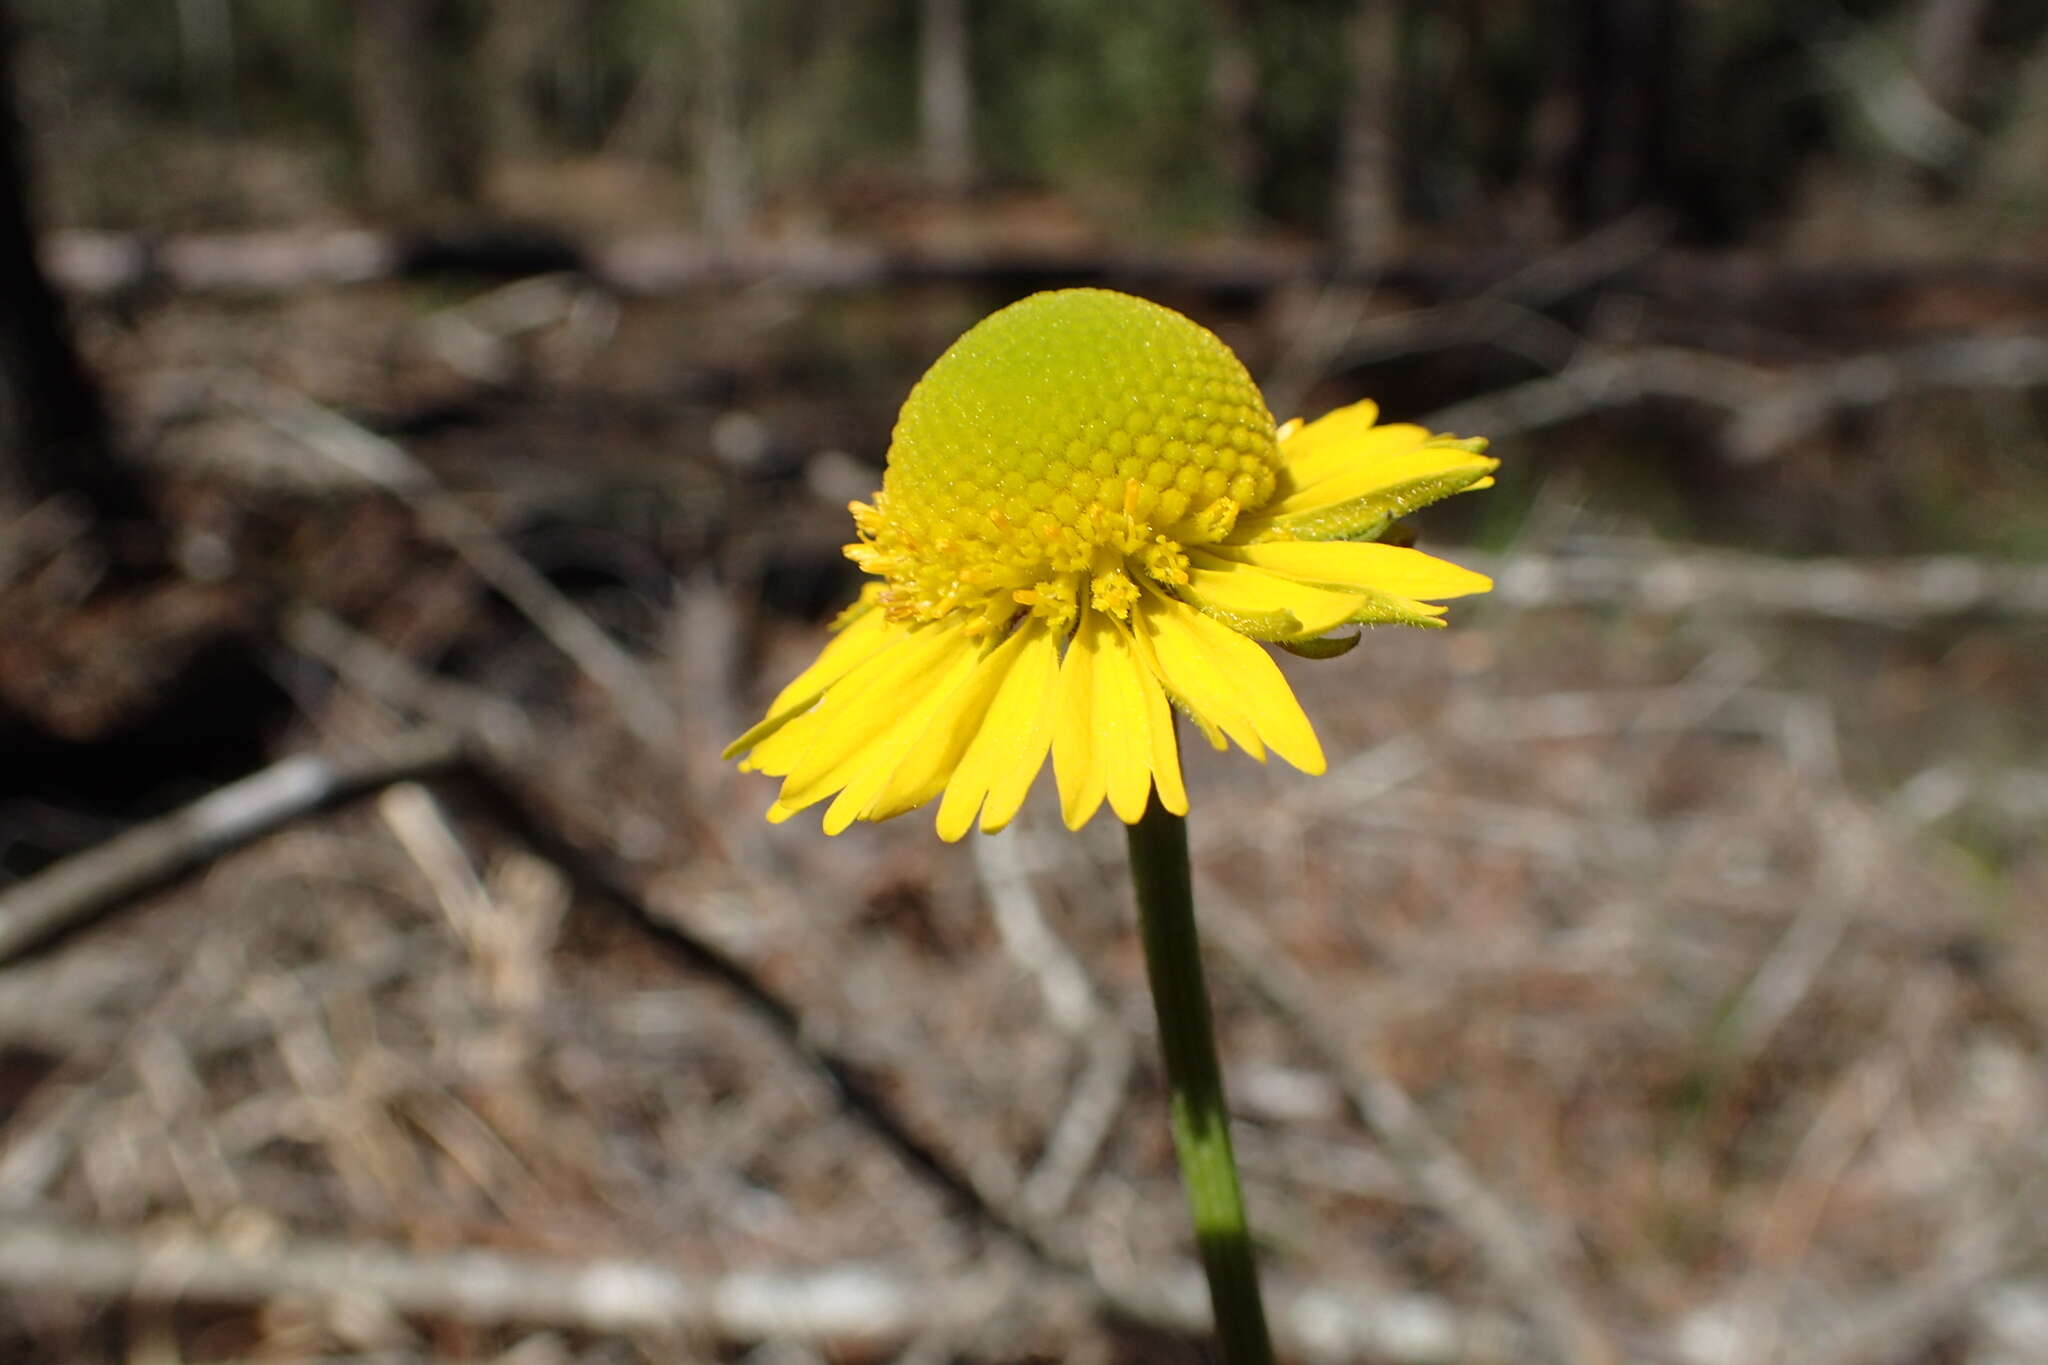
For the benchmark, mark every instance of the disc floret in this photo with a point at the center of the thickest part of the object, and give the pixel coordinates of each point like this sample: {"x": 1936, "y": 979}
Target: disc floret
{"x": 1061, "y": 453}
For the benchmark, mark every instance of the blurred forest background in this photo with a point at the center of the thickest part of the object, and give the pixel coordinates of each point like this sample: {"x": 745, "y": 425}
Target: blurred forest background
{"x": 425, "y": 434}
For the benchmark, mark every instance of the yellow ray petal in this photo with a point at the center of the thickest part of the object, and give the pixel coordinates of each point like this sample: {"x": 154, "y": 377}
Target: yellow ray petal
{"x": 1123, "y": 723}
{"x": 897, "y": 730}
{"x": 936, "y": 754}
{"x": 1437, "y": 460}
{"x": 1176, "y": 658}
{"x": 1241, "y": 593}
{"x": 1143, "y": 632}
{"x": 1018, "y": 752}
{"x": 852, "y": 636}
{"x": 860, "y": 639}
{"x": 779, "y": 741}
{"x": 1364, "y": 518}
{"x": 1200, "y": 654}
{"x": 1008, "y": 749}
{"x": 1343, "y": 453}
{"x": 1078, "y": 762}
{"x": 856, "y": 711}
{"x": 1298, "y": 437}
{"x": 1339, "y": 443}
{"x": 1173, "y": 792}
{"x": 1356, "y": 566}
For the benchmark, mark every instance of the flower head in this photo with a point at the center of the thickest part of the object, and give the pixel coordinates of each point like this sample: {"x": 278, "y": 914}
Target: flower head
{"x": 1089, "y": 519}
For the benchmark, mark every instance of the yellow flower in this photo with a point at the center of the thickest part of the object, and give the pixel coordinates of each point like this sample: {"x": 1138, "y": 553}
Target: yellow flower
{"x": 1088, "y": 519}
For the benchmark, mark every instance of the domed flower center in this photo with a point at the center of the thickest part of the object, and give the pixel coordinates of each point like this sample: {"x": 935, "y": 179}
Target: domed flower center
{"x": 1060, "y": 453}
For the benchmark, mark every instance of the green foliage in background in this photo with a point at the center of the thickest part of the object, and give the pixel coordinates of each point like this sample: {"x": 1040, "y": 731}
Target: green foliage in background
{"x": 1504, "y": 119}
{"x": 1109, "y": 105}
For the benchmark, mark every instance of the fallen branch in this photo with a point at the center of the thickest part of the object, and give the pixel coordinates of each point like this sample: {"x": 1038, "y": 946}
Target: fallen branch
{"x": 386, "y": 465}
{"x": 1802, "y": 401}
{"x": 853, "y": 1303}
{"x": 1897, "y": 592}
{"x": 94, "y": 883}
{"x": 1849, "y": 300}
{"x": 1973, "y": 1282}
{"x": 1899, "y": 1323}
{"x": 598, "y": 878}
{"x": 1769, "y": 408}
{"x": 396, "y": 681}
{"x": 1342, "y": 332}
{"x": 1515, "y": 1254}
{"x": 266, "y": 262}
{"x": 87, "y": 885}
{"x": 844, "y": 1306}
{"x": 1074, "y": 1008}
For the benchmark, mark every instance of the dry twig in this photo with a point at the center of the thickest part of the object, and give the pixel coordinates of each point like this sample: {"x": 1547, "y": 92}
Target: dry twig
{"x": 380, "y": 672}
{"x": 1516, "y": 1255}
{"x": 99, "y": 880}
{"x": 1769, "y": 410}
{"x": 385, "y": 465}
{"x": 1899, "y": 592}
{"x": 842, "y": 1306}
{"x": 87, "y": 885}
{"x": 1075, "y": 1009}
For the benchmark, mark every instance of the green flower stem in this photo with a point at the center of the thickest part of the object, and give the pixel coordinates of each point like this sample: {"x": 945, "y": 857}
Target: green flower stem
{"x": 1201, "y": 1119}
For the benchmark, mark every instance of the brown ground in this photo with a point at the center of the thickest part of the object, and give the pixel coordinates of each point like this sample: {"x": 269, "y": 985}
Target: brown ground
{"x": 1712, "y": 945}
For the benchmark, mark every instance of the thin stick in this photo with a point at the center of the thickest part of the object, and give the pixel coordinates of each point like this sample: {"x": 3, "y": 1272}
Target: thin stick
{"x": 841, "y": 1303}
{"x": 1769, "y": 410}
{"x": 1903, "y": 592}
{"x": 387, "y": 465}
{"x": 1071, "y": 1002}
{"x": 98, "y": 881}
{"x": 869, "y": 1303}
{"x": 89, "y": 884}
{"x": 1516, "y": 1254}
{"x": 1201, "y": 1117}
